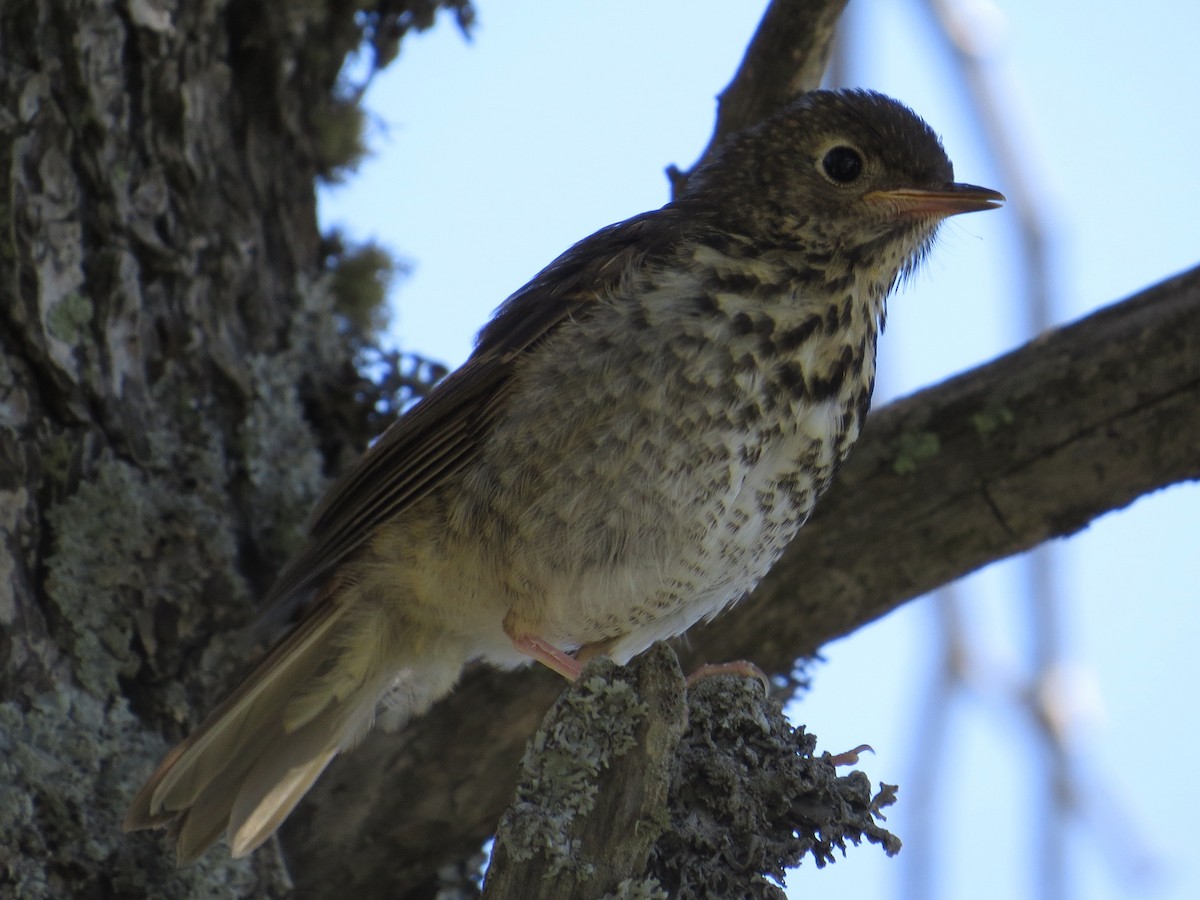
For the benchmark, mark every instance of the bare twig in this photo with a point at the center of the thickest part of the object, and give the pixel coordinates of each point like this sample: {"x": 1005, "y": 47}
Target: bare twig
{"x": 1042, "y": 695}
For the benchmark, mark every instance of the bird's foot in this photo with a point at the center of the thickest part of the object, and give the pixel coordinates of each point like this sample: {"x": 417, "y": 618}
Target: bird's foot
{"x": 850, "y": 757}
{"x": 741, "y": 668}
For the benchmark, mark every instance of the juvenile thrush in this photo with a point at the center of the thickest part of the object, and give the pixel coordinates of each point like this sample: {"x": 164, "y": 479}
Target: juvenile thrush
{"x": 639, "y": 433}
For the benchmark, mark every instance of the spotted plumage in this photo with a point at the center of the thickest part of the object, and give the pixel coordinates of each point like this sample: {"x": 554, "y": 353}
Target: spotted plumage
{"x": 639, "y": 433}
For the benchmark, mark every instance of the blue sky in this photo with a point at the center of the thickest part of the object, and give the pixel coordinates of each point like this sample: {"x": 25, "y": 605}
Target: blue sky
{"x": 559, "y": 118}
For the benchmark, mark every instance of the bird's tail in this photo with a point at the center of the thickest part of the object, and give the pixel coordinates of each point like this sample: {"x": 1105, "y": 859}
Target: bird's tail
{"x": 252, "y": 760}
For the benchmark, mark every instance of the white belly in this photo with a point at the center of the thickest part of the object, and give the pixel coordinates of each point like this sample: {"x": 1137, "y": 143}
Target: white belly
{"x": 705, "y": 550}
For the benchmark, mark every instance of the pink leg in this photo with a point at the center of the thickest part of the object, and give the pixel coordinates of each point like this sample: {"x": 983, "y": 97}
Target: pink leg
{"x": 549, "y": 656}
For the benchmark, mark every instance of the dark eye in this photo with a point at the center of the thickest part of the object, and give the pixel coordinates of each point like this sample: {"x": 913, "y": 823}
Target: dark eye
{"x": 842, "y": 164}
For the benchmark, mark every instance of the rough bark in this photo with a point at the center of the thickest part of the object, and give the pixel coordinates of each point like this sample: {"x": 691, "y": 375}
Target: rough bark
{"x": 595, "y": 780}
{"x": 637, "y": 785}
{"x": 164, "y": 335}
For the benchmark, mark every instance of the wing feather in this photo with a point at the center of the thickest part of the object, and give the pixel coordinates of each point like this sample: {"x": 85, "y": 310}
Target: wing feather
{"x": 442, "y": 434}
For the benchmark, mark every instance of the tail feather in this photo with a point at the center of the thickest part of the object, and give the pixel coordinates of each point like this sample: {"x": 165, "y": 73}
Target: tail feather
{"x": 277, "y": 781}
{"x": 251, "y": 761}
{"x": 252, "y": 823}
{"x": 243, "y": 770}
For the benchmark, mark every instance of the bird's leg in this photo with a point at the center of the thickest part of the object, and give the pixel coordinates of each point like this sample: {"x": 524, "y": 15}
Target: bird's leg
{"x": 549, "y": 656}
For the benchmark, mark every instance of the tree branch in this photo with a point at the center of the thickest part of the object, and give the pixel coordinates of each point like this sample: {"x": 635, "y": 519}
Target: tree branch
{"x": 594, "y": 784}
{"x": 634, "y": 778}
{"x": 1031, "y": 446}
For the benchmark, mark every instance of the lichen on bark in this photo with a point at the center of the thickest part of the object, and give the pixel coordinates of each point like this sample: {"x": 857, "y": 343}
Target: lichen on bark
{"x": 177, "y": 384}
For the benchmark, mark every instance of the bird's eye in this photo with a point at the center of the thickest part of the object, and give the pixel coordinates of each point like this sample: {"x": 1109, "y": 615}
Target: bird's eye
{"x": 842, "y": 164}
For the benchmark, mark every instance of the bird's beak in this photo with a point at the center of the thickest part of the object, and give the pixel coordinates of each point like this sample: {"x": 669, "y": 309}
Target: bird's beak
{"x": 948, "y": 201}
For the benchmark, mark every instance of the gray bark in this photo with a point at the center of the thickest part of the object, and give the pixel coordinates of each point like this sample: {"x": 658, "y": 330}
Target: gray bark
{"x": 165, "y": 341}
{"x": 637, "y": 785}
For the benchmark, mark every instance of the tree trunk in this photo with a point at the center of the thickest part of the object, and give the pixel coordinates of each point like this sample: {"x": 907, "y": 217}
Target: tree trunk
{"x": 167, "y": 349}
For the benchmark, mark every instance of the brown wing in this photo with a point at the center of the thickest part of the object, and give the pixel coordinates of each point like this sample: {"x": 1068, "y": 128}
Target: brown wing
{"x": 443, "y": 432}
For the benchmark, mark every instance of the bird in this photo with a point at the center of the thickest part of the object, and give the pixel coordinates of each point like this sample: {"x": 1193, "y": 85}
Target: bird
{"x": 640, "y": 431}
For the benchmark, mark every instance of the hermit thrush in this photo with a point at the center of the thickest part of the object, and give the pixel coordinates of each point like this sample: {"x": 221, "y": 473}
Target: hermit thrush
{"x": 641, "y": 430}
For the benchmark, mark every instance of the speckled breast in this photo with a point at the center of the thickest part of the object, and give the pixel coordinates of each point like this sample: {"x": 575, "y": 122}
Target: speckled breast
{"x": 668, "y": 458}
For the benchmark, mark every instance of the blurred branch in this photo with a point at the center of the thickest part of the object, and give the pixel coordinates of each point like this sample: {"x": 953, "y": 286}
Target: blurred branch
{"x": 964, "y": 29}
{"x": 967, "y": 44}
{"x": 931, "y": 732}
{"x": 1031, "y": 446}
